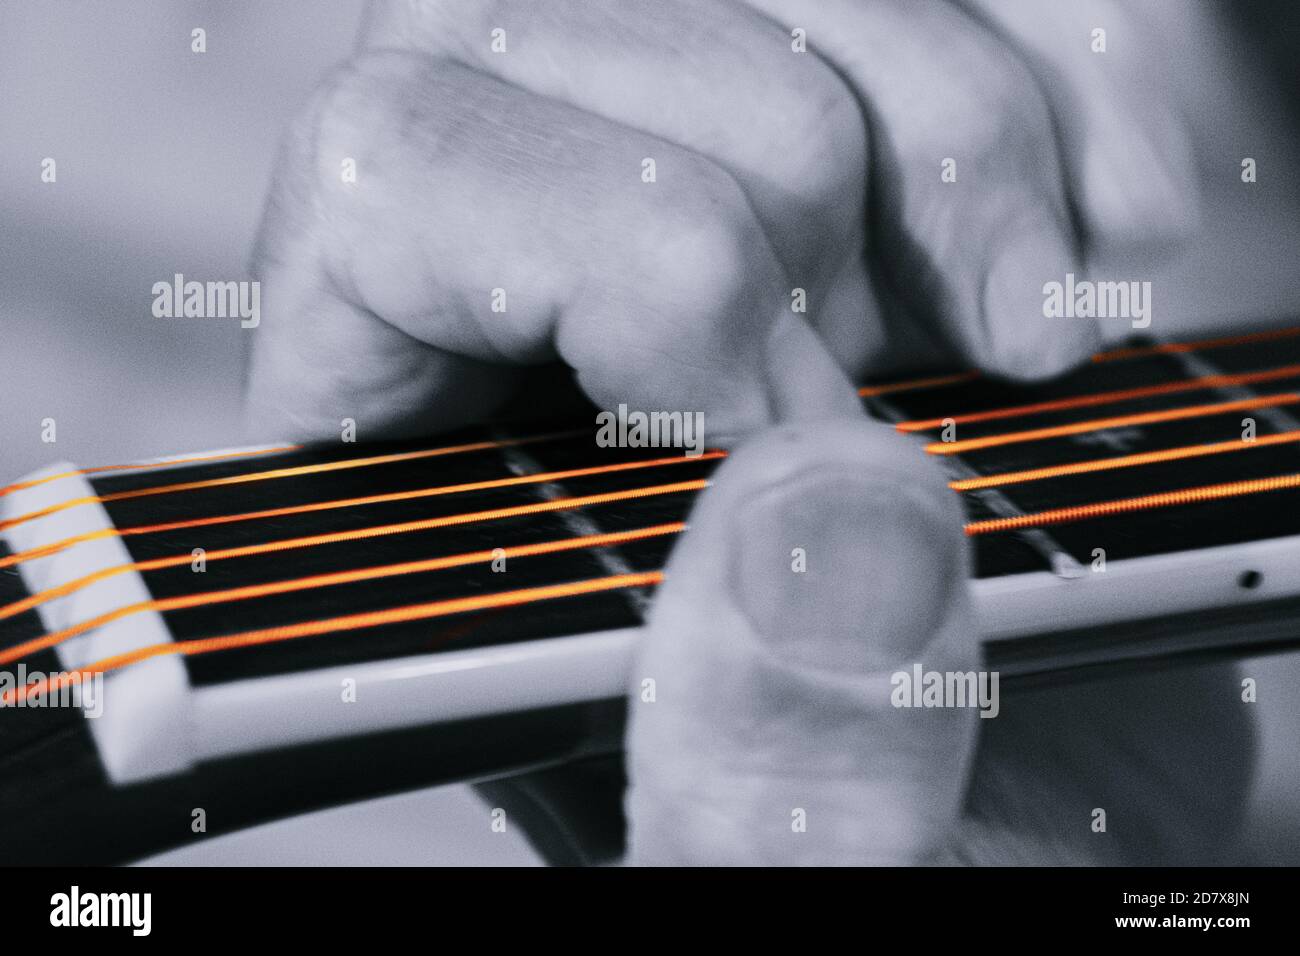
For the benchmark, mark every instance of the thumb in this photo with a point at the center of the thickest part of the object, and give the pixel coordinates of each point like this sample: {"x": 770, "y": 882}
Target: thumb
{"x": 825, "y": 558}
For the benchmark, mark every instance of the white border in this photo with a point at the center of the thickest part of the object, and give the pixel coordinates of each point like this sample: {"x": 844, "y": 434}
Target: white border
{"x": 144, "y": 730}
{"x": 300, "y": 708}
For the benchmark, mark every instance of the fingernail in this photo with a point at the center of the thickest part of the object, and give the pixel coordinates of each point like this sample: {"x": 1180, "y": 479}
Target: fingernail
{"x": 838, "y": 572}
{"x": 1023, "y": 341}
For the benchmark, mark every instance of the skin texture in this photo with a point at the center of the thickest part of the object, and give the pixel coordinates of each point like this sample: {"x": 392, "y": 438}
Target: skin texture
{"x": 775, "y": 170}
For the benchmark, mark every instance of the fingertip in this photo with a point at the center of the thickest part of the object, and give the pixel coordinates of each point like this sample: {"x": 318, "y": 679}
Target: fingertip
{"x": 1023, "y": 339}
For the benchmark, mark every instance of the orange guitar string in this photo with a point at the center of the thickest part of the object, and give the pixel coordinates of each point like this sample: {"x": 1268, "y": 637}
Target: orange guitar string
{"x": 1104, "y": 398}
{"x": 1172, "y": 348}
{"x": 1164, "y": 499}
{"x": 192, "y": 459}
{"x": 336, "y": 537}
{"x": 348, "y": 622}
{"x": 1122, "y": 461}
{"x": 866, "y": 391}
{"x": 869, "y": 390}
{"x": 1165, "y": 348}
{"x": 1101, "y": 424}
{"x": 294, "y": 471}
{"x": 352, "y": 576}
{"x": 47, "y": 549}
{"x": 915, "y": 384}
{"x": 414, "y": 612}
{"x": 460, "y": 605}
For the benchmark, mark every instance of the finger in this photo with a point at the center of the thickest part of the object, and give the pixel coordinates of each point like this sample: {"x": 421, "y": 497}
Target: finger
{"x": 1127, "y": 152}
{"x": 970, "y": 256}
{"x": 492, "y": 226}
{"x": 320, "y": 361}
{"x": 771, "y": 686}
{"x": 713, "y": 77}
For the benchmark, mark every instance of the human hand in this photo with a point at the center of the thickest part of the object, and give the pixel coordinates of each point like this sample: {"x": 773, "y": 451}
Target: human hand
{"x": 518, "y": 178}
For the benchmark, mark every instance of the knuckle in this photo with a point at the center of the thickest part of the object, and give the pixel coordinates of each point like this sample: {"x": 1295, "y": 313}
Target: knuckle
{"x": 371, "y": 133}
{"x": 1008, "y": 110}
{"x": 705, "y": 242}
{"x": 362, "y": 105}
{"x": 821, "y": 136}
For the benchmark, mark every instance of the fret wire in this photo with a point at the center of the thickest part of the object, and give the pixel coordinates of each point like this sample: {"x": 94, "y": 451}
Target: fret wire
{"x": 1057, "y": 559}
{"x": 313, "y": 507}
{"x": 334, "y": 625}
{"x": 1199, "y": 366}
{"x": 1102, "y": 424}
{"x": 337, "y": 537}
{"x": 248, "y": 592}
{"x": 520, "y": 462}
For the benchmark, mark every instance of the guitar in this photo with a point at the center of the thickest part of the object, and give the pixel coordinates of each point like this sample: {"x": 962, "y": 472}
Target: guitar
{"x": 262, "y": 631}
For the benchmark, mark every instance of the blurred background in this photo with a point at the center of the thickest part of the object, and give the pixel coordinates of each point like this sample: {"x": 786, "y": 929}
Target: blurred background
{"x": 163, "y": 157}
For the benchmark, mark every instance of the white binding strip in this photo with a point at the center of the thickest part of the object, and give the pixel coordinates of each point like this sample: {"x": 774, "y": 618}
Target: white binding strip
{"x": 144, "y": 728}
{"x": 279, "y": 711}
{"x": 1026, "y": 604}
{"x": 306, "y": 706}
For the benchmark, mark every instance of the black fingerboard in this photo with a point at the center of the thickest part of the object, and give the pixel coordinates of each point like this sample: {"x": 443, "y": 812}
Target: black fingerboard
{"x": 1158, "y": 530}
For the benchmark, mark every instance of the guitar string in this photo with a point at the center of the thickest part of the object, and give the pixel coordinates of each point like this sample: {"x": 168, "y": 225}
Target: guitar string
{"x": 350, "y": 576}
{"x": 364, "y": 574}
{"x": 1201, "y": 345}
{"x": 865, "y": 391}
{"x": 156, "y": 463}
{"x": 1103, "y": 424}
{"x": 570, "y": 589}
{"x": 338, "y": 537}
{"x": 1111, "y": 355}
{"x": 45, "y": 550}
{"x": 1053, "y": 517}
{"x": 511, "y": 598}
{"x": 1102, "y": 398}
{"x": 1163, "y": 499}
{"x": 290, "y": 472}
{"x": 342, "y": 577}
{"x": 1123, "y": 461}
{"x": 961, "y": 485}
{"x": 644, "y": 579}
{"x": 415, "y": 612}
{"x": 348, "y": 622}
{"x": 937, "y": 448}
{"x": 1060, "y": 515}
{"x": 916, "y": 384}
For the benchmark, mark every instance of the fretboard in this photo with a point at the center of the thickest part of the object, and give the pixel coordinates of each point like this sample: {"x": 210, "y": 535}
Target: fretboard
{"x": 501, "y": 570}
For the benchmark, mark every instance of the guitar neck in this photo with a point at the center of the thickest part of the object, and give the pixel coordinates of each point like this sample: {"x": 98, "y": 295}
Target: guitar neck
{"x": 260, "y": 618}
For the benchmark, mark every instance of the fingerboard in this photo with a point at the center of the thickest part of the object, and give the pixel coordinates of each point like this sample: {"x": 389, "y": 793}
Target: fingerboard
{"x": 499, "y": 574}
